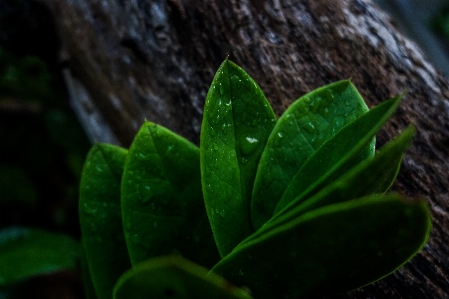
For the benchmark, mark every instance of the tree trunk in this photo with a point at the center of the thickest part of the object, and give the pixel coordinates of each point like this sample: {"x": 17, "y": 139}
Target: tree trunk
{"x": 126, "y": 61}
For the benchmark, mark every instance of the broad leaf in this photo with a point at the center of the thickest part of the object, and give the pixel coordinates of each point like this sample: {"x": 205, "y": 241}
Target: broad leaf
{"x": 27, "y": 252}
{"x": 236, "y": 124}
{"x": 174, "y": 277}
{"x": 330, "y": 250}
{"x": 162, "y": 202}
{"x": 372, "y": 176}
{"x": 332, "y": 158}
{"x": 100, "y": 217}
{"x": 299, "y": 132}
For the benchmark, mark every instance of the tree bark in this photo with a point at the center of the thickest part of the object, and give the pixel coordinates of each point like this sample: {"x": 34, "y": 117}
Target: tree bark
{"x": 126, "y": 61}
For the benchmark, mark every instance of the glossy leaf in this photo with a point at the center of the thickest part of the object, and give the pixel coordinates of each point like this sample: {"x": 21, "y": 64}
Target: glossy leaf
{"x": 299, "y": 132}
{"x": 27, "y": 252}
{"x": 237, "y": 122}
{"x": 174, "y": 277}
{"x": 100, "y": 217}
{"x": 330, "y": 250}
{"x": 330, "y": 160}
{"x": 162, "y": 202}
{"x": 372, "y": 176}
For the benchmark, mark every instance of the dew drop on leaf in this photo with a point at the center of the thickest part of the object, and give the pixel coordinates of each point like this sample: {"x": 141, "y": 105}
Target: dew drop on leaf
{"x": 309, "y": 127}
{"x": 316, "y": 104}
{"x": 248, "y": 145}
{"x": 89, "y": 210}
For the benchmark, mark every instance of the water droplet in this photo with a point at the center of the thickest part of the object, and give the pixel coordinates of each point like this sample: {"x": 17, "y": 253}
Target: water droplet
{"x": 248, "y": 145}
{"x": 223, "y": 127}
{"x": 280, "y": 134}
{"x": 99, "y": 169}
{"x": 236, "y": 82}
{"x": 316, "y": 104}
{"x": 220, "y": 87}
{"x": 326, "y": 112}
{"x": 309, "y": 127}
{"x": 142, "y": 156}
{"x": 215, "y": 147}
{"x": 222, "y": 213}
{"x": 89, "y": 210}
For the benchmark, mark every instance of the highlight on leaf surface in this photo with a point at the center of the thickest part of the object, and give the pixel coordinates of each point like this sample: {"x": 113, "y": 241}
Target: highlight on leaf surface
{"x": 332, "y": 158}
{"x": 299, "y": 132}
{"x": 236, "y": 124}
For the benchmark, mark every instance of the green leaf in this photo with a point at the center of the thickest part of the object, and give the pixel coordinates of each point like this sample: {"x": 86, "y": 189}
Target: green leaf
{"x": 174, "y": 277}
{"x": 162, "y": 202}
{"x": 88, "y": 285}
{"x": 299, "y": 132}
{"x": 100, "y": 217}
{"x": 237, "y": 122}
{"x": 26, "y": 252}
{"x": 330, "y": 250}
{"x": 372, "y": 176}
{"x": 332, "y": 158}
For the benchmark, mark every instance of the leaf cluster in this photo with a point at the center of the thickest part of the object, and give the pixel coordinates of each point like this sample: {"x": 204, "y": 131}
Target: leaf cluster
{"x": 295, "y": 207}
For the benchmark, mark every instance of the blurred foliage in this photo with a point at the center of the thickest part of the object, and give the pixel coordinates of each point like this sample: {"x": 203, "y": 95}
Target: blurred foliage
{"x": 42, "y": 151}
{"x": 440, "y": 23}
{"x": 42, "y": 147}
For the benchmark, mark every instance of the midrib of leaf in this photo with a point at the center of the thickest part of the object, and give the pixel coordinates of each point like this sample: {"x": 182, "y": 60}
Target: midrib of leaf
{"x": 245, "y": 194}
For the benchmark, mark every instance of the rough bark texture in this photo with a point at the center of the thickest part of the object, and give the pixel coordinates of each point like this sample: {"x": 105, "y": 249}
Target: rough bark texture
{"x": 127, "y": 61}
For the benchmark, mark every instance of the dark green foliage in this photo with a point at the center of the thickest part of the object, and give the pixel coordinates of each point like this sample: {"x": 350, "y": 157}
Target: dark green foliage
{"x": 101, "y": 217}
{"x": 26, "y": 252}
{"x": 162, "y": 203}
{"x": 297, "y": 208}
